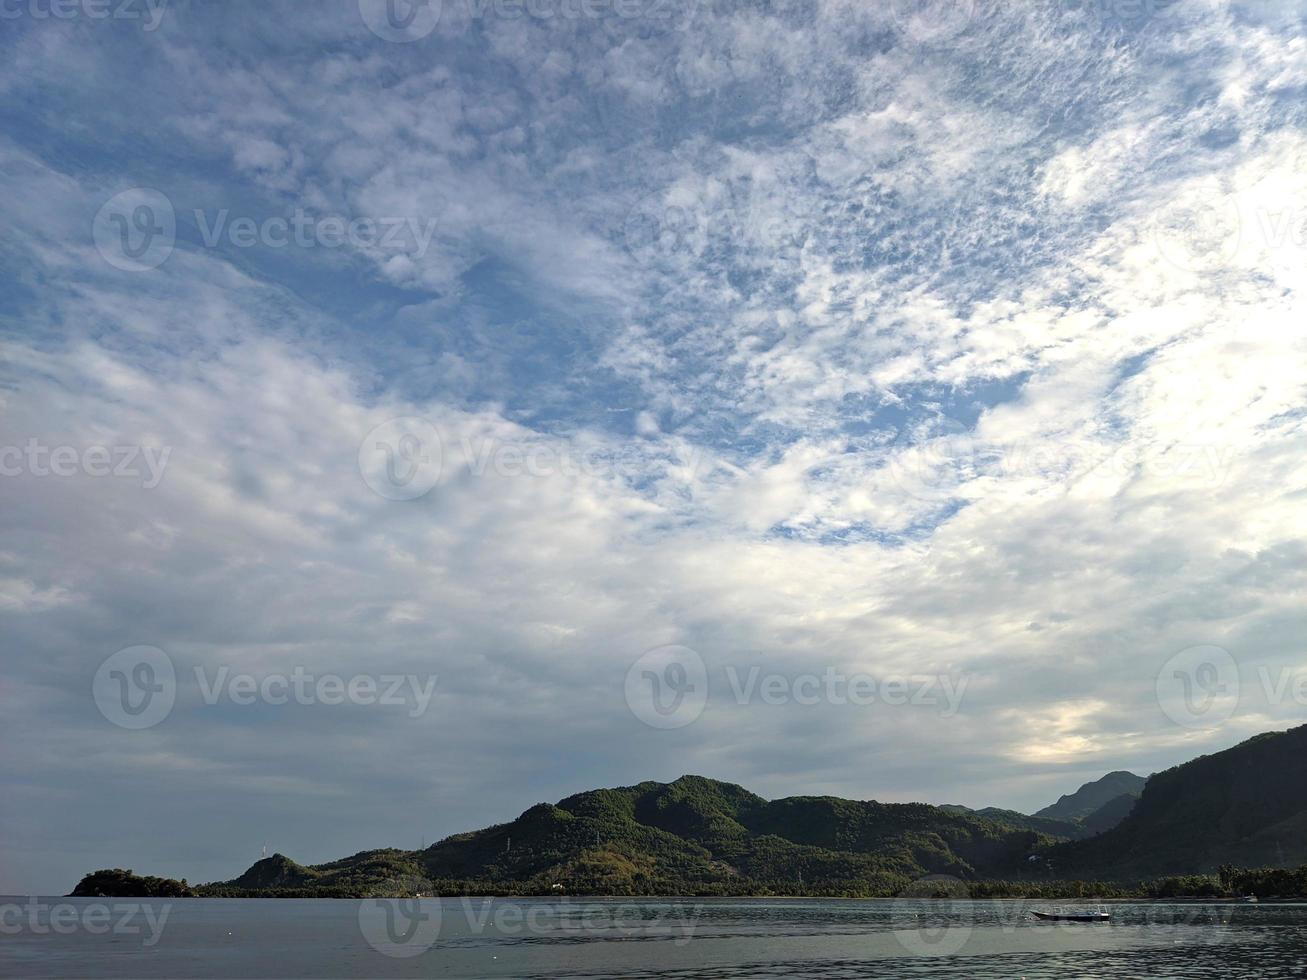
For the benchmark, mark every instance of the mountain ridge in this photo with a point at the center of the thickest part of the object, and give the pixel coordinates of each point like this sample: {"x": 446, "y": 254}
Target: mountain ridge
{"x": 1246, "y": 804}
{"x": 696, "y": 836}
{"x": 1093, "y": 796}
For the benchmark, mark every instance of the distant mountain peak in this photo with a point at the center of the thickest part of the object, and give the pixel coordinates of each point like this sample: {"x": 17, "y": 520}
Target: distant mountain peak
{"x": 1092, "y": 796}
{"x": 275, "y": 871}
{"x": 1245, "y": 805}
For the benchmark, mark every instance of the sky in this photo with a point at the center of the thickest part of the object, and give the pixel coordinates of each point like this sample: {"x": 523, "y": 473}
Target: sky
{"x": 412, "y": 413}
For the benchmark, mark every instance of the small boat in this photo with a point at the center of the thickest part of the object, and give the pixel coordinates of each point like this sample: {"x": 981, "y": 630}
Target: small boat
{"x": 1250, "y": 899}
{"x": 1058, "y": 915}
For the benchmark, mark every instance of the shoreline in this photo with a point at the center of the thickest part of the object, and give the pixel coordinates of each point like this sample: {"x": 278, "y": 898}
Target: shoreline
{"x": 1082, "y": 899}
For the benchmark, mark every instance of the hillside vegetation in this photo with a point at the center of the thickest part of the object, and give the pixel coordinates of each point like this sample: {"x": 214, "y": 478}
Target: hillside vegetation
{"x": 1092, "y": 797}
{"x": 1246, "y": 806}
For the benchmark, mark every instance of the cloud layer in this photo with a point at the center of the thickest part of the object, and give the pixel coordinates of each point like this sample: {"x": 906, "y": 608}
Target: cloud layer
{"x": 900, "y": 340}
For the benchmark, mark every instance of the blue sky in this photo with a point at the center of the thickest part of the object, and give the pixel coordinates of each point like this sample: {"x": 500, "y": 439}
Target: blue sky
{"x": 945, "y": 339}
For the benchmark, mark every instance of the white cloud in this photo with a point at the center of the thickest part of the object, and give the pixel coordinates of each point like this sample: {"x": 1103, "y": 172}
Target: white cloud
{"x": 787, "y": 338}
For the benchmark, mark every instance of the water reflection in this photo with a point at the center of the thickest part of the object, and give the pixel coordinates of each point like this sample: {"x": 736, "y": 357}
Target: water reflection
{"x": 659, "y": 938}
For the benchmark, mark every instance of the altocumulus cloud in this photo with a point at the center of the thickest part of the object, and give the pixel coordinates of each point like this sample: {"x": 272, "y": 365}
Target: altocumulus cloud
{"x": 819, "y": 337}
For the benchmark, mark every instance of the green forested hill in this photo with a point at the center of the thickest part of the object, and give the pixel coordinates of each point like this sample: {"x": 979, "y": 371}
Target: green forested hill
{"x": 692, "y": 836}
{"x": 1091, "y": 797}
{"x": 1245, "y": 806}
{"x": 1109, "y": 814}
{"x": 697, "y": 835}
{"x": 1061, "y": 829}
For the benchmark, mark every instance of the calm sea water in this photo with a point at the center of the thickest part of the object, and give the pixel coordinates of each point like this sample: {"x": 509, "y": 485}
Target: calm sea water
{"x": 649, "y": 938}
